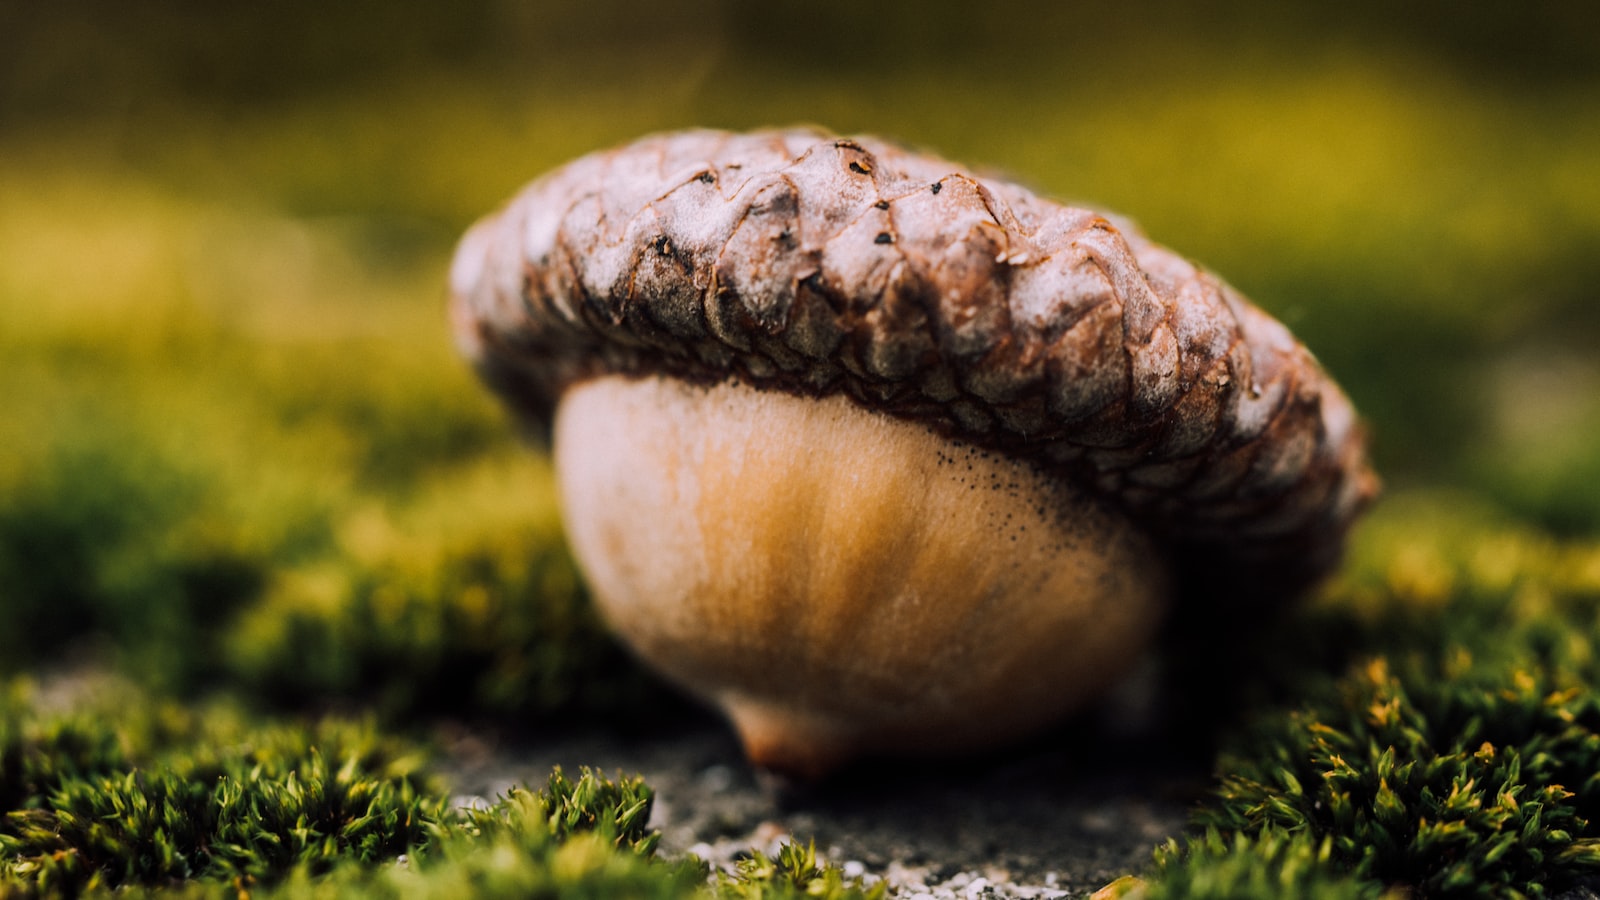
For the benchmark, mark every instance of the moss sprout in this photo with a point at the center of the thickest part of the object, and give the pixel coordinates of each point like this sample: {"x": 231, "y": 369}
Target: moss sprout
{"x": 793, "y": 872}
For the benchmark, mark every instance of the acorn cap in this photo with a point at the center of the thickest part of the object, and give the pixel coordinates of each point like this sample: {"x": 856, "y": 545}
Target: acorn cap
{"x": 800, "y": 262}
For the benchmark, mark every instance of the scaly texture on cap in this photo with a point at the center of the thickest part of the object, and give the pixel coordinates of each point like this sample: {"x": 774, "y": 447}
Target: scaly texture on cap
{"x": 800, "y": 262}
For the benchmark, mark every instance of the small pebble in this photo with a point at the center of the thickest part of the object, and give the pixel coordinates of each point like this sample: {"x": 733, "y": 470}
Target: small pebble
{"x": 470, "y": 801}
{"x": 716, "y": 778}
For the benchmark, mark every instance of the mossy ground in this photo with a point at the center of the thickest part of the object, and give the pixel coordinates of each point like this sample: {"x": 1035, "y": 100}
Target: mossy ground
{"x": 241, "y": 467}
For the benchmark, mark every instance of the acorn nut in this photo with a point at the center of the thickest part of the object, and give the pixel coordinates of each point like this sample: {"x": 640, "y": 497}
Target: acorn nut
{"x": 883, "y": 457}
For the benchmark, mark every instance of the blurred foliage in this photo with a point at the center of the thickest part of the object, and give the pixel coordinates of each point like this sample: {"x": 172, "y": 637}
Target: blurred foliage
{"x": 238, "y": 454}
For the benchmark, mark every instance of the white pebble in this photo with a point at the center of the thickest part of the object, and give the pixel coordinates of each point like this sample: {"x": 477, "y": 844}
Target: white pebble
{"x": 470, "y": 801}
{"x": 716, "y": 778}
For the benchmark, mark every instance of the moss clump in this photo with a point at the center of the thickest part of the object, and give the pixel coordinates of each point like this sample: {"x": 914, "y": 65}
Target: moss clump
{"x": 1455, "y": 791}
{"x": 1458, "y": 755}
{"x": 1266, "y": 865}
{"x": 172, "y": 802}
{"x": 171, "y": 794}
{"x": 158, "y": 827}
{"x": 112, "y": 544}
{"x": 618, "y": 809}
{"x": 451, "y": 601}
{"x": 514, "y": 863}
{"x": 496, "y": 627}
{"x": 792, "y": 873}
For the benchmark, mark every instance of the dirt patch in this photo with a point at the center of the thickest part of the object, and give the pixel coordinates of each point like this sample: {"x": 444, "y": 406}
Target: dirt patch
{"x": 1055, "y": 818}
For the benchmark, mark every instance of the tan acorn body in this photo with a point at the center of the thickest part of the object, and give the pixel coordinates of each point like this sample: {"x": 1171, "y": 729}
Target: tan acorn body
{"x": 841, "y": 582}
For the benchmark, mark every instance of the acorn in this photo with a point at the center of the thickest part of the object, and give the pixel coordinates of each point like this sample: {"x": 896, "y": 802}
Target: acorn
{"x": 882, "y": 457}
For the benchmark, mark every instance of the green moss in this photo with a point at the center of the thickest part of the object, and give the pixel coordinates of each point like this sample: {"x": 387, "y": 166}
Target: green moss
{"x": 496, "y": 627}
{"x": 511, "y": 864}
{"x": 792, "y": 873}
{"x": 158, "y": 827}
{"x": 453, "y": 600}
{"x": 1266, "y": 865}
{"x": 169, "y": 793}
{"x": 103, "y": 542}
{"x": 618, "y": 810}
{"x": 171, "y": 800}
{"x": 1461, "y": 791}
{"x": 1457, "y": 753}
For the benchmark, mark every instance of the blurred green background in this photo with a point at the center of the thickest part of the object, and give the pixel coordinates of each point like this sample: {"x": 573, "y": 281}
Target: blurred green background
{"x": 236, "y": 446}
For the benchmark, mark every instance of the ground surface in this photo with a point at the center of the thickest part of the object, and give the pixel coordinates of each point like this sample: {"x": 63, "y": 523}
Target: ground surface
{"x": 1040, "y": 821}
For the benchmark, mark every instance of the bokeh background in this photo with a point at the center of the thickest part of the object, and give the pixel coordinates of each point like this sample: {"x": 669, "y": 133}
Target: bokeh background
{"x": 236, "y": 448}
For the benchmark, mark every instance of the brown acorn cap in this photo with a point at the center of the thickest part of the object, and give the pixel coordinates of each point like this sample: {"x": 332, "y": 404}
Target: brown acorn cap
{"x": 800, "y": 262}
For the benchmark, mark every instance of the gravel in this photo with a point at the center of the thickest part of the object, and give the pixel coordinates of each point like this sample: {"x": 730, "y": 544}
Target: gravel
{"x": 1061, "y": 817}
